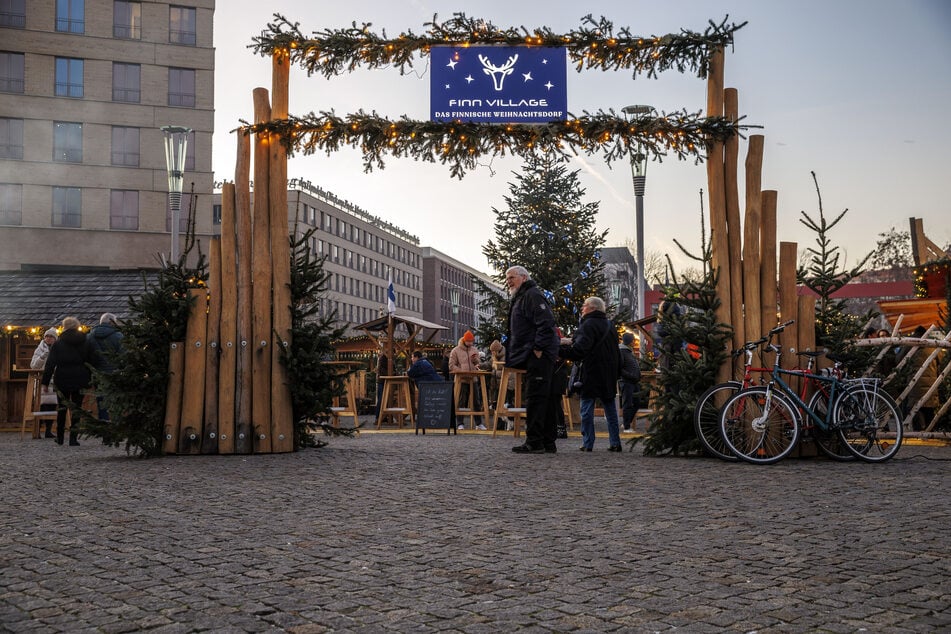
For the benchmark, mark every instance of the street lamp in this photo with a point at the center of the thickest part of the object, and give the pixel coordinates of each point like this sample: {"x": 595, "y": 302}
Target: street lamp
{"x": 639, "y": 174}
{"x": 176, "y": 142}
{"x": 454, "y": 298}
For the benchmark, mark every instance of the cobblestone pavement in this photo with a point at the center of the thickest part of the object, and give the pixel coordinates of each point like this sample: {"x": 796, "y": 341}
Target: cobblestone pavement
{"x": 396, "y": 532}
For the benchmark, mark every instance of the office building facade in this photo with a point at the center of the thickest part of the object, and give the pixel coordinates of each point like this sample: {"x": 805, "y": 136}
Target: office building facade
{"x": 85, "y": 87}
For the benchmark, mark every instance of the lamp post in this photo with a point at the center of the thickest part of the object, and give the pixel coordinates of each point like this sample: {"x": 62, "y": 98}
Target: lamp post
{"x": 639, "y": 175}
{"x": 176, "y": 143}
{"x": 454, "y": 298}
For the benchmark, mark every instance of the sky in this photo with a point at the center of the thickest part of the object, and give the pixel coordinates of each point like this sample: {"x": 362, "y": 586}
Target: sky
{"x": 856, "y": 91}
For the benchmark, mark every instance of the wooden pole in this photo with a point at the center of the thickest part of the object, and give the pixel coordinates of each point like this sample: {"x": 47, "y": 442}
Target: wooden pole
{"x": 715, "y": 183}
{"x": 751, "y": 238}
{"x": 209, "y": 435}
{"x": 228, "y": 332}
{"x": 731, "y": 110}
{"x": 261, "y": 274}
{"x": 807, "y": 323}
{"x": 767, "y": 270}
{"x": 193, "y": 393}
{"x": 282, "y": 423}
{"x": 788, "y": 300}
{"x": 242, "y": 201}
{"x": 173, "y": 398}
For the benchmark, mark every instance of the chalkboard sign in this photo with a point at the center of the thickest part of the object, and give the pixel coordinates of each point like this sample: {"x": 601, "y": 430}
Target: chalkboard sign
{"x": 435, "y": 405}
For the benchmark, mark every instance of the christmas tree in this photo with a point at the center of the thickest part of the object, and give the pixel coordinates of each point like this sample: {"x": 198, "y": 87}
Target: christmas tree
{"x": 548, "y": 228}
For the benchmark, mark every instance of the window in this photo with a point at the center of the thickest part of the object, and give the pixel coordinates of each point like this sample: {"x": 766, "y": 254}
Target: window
{"x": 11, "y": 204}
{"x": 67, "y": 207}
{"x": 181, "y": 25}
{"x": 124, "y": 209}
{"x": 69, "y": 77}
{"x": 70, "y": 16}
{"x": 125, "y": 146}
{"x": 126, "y": 82}
{"x": 11, "y": 72}
{"x": 11, "y": 138}
{"x": 13, "y": 13}
{"x": 127, "y": 20}
{"x": 190, "y": 152}
{"x": 181, "y": 87}
{"x": 216, "y": 214}
{"x": 68, "y": 142}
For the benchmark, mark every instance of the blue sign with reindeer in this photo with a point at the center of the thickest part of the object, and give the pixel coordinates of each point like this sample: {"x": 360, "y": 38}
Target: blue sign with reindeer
{"x": 498, "y": 84}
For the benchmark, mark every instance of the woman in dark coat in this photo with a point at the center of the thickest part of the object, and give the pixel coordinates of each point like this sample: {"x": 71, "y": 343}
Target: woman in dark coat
{"x": 67, "y": 364}
{"x": 595, "y": 345}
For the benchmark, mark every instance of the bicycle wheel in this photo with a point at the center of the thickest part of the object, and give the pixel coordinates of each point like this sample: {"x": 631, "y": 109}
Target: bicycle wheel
{"x": 706, "y": 419}
{"x": 869, "y": 423}
{"x": 827, "y": 440}
{"x": 758, "y": 429}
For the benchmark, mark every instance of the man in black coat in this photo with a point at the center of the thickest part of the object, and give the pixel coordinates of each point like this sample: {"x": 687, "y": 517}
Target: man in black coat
{"x": 630, "y": 382}
{"x": 594, "y": 344}
{"x": 532, "y": 345}
{"x": 67, "y": 365}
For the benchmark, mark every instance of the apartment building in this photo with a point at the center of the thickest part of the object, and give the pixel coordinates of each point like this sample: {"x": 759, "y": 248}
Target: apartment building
{"x": 85, "y": 86}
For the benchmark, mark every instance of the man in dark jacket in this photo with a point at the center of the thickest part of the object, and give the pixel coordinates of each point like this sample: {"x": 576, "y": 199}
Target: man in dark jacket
{"x": 630, "y": 382}
{"x": 67, "y": 363}
{"x": 104, "y": 342}
{"x": 532, "y": 345}
{"x": 594, "y": 344}
{"x": 422, "y": 371}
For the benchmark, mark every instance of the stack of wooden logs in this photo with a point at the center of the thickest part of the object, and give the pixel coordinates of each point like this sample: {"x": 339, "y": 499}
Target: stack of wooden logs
{"x": 755, "y": 295}
{"x": 228, "y": 391}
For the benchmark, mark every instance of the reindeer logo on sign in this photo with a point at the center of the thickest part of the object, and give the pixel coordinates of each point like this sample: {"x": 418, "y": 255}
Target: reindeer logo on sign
{"x": 498, "y": 73}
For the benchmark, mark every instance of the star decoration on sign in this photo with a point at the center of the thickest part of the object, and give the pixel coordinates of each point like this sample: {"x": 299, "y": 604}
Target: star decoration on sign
{"x": 527, "y": 76}
{"x": 469, "y": 79}
{"x": 549, "y": 85}
{"x": 452, "y": 64}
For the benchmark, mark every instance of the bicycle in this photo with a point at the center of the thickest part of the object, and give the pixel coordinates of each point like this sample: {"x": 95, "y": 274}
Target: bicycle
{"x": 761, "y": 424}
{"x": 710, "y": 403}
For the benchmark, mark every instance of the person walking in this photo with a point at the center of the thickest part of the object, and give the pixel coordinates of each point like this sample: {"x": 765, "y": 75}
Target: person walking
{"x": 67, "y": 364}
{"x": 104, "y": 342}
{"x": 38, "y": 362}
{"x": 630, "y": 382}
{"x": 532, "y": 345}
{"x": 465, "y": 358}
{"x": 594, "y": 344}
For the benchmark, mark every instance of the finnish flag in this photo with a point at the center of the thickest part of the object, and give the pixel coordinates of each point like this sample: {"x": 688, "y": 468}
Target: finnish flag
{"x": 391, "y": 296}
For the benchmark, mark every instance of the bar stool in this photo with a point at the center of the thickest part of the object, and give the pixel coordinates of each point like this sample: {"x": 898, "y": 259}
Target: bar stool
{"x": 350, "y": 396}
{"x": 566, "y": 405}
{"x": 513, "y": 409}
{"x": 397, "y": 386}
{"x": 476, "y": 380}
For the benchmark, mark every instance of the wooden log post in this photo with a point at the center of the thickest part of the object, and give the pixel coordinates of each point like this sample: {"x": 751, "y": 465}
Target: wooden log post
{"x": 715, "y": 183}
{"x": 261, "y": 275}
{"x": 751, "y": 237}
{"x": 193, "y": 393}
{"x": 767, "y": 270}
{"x": 282, "y": 423}
{"x": 788, "y": 300}
{"x": 209, "y": 434}
{"x": 806, "y": 323}
{"x": 731, "y": 154}
{"x": 228, "y": 329}
{"x": 173, "y": 398}
{"x": 242, "y": 210}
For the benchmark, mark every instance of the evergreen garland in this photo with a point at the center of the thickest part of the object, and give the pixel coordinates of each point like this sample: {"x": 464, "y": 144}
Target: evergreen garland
{"x": 594, "y": 45}
{"x": 460, "y": 144}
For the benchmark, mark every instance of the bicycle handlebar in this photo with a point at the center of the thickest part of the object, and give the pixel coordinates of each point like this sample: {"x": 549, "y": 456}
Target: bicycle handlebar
{"x": 752, "y": 345}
